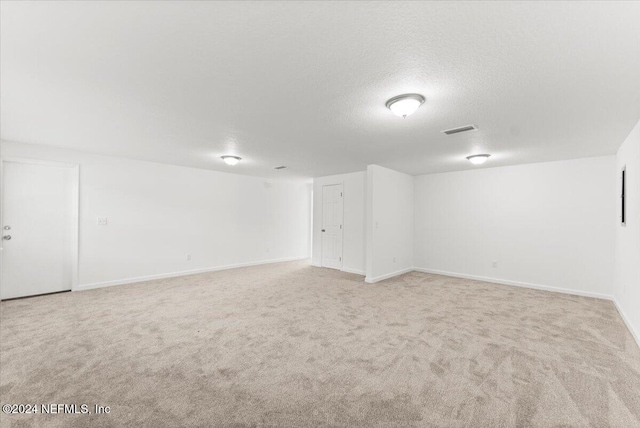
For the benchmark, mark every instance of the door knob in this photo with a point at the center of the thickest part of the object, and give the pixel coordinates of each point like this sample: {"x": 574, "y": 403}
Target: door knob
{"x": 323, "y": 230}
{"x": 7, "y": 237}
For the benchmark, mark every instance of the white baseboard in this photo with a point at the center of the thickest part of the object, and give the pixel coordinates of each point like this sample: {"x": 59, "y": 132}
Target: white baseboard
{"x": 343, "y": 269}
{"x": 517, "y": 283}
{"x": 181, "y": 273}
{"x": 387, "y": 276}
{"x": 356, "y": 271}
{"x": 634, "y": 333}
{"x": 624, "y": 317}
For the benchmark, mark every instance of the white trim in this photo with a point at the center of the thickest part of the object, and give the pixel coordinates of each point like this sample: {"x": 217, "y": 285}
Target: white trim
{"x": 75, "y": 227}
{"x": 182, "y": 273}
{"x": 634, "y": 333}
{"x": 356, "y": 271}
{"x": 517, "y": 283}
{"x": 75, "y": 208}
{"x": 623, "y": 208}
{"x": 387, "y": 276}
{"x": 623, "y": 315}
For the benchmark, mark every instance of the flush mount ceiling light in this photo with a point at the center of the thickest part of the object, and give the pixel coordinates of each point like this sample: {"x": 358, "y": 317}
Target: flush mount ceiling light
{"x": 405, "y": 105}
{"x": 231, "y": 160}
{"x": 478, "y": 159}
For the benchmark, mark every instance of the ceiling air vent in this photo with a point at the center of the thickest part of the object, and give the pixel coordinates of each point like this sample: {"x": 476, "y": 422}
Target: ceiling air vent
{"x": 460, "y": 129}
{"x": 280, "y": 167}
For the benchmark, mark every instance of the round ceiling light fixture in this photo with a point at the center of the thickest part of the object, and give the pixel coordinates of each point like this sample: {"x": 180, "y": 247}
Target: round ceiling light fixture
{"x": 405, "y": 105}
{"x": 231, "y": 160}
{"x": 478, "y": 159}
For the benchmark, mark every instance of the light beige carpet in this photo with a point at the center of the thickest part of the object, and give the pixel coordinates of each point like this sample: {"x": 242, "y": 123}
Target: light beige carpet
{"x": 290, "y": 345}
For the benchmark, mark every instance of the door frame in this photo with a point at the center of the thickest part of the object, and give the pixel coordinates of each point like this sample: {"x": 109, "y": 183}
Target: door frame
{"x": 75, "y": 207}
{"x": 341, "y": 183}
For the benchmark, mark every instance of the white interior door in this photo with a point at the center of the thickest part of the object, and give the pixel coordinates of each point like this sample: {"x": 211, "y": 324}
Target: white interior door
{"x": 332, "y": 226}
{"x": 39, "y": 216}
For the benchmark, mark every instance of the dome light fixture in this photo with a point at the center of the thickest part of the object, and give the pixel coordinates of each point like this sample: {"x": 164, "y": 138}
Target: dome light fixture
{"x": 231, "y": 160}
{"x": 478, "y": 159}
{"x": 405, "y": 105}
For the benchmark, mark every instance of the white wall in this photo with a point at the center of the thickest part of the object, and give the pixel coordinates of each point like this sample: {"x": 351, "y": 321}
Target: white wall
{"x": 353, "y": 238}
{"x": 158, "y": 213}
{"x": 627, "y": 268}
{"x": 389, "y": 223}
{"x": 546, "y": 224}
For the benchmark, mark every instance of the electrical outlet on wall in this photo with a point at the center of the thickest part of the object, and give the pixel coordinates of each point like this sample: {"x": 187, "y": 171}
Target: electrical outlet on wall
{"x": 394, "y": 259}
{"x": 102, "y": 221}
{"x": 188, "y": 257}
{"x": 495, "y": 265}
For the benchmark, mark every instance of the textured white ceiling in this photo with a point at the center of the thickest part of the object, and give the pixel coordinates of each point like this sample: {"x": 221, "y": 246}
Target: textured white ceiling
{"x": 303, "y": 84}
